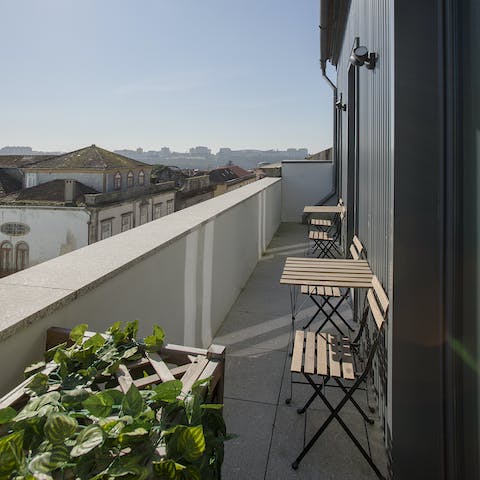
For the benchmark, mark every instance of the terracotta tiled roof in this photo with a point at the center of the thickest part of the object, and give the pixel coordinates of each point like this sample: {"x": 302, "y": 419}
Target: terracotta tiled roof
{"x": 52, "y": 192}
{"x": 92, "y": 157}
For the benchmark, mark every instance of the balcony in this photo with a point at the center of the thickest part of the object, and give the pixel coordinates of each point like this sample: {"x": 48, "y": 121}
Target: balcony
{"x": 207, "y": 273}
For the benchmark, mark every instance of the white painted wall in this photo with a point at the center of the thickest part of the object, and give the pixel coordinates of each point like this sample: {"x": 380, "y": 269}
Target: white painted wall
{"x": 183, "y": 272}
{"x": 93, "y": 180}
{"x": 305, "y": 182}
{"x": 53, "y": 230}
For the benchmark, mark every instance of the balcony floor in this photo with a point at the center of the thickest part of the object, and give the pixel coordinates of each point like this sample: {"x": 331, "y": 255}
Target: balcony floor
{"x": 270, "y": 434}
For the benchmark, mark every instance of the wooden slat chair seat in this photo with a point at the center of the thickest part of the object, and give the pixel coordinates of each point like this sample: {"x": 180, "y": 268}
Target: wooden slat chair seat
{"x": 317, "y": 235}
{"x": 321, "y": 222}
{"x": 326, "y": 294}
{"x": 322, "y": 354}
{"x": 330, "y": 358}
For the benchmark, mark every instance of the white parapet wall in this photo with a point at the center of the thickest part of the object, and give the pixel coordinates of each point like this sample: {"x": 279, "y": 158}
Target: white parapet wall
{"x": 305, "y": 182}
{"x": 182, "y": 272}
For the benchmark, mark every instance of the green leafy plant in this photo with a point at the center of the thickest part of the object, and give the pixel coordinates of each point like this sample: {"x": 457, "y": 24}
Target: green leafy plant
{"x": 76, "y": 424}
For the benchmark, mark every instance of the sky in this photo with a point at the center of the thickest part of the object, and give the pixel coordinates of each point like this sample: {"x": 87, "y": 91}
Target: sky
{"x": 153, "y": 73}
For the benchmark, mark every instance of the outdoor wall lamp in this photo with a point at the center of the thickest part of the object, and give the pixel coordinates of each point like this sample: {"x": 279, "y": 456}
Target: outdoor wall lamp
{"x": 360, "y": 56}
{"x": 339, "y": 105}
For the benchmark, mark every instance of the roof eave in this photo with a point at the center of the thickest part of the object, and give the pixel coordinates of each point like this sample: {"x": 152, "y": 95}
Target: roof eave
{"x": 333, "y": 20}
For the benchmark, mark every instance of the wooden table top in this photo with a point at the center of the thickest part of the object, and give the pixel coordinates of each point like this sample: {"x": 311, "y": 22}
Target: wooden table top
{"x": 327, "y": 272}
{"x": 323, "y": 209}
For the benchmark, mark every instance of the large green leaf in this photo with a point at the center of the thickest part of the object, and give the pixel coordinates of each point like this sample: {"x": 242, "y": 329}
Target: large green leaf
{"x": 155, "y": 341}
{"x": 7, "y": 414}
{"x": 100, "y": 404}
{"x": 73, "y": 398}
{"x": 87, "y": 440}
{"x": 49, "y": 461}
{"x": 167, "y": 391}
{"x": 95, "y": 342}
{"x": 59, "y": 427}
{"x": 77, "y": 333}
{"x": 191, "y": 443}
{"x": 11, "y": 452}
{"x": 132, "y": 403}
{"x": 38, "y": 384}
{"x": 168, "y": 470}
{"x": 33, "y": 368}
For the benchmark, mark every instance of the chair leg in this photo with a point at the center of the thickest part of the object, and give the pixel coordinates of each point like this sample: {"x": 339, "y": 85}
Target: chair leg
{"x": 354, "y": 402}
{"x": 334, "y": 415}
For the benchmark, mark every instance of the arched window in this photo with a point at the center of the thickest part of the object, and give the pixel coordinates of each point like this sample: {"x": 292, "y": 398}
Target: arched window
{"x": 130, "y": 179}
{"x": 117, "y": 181}
{"x": 21, "y": 256}
{"x": 141, "y": 177}
{"x": 6, "y": 258}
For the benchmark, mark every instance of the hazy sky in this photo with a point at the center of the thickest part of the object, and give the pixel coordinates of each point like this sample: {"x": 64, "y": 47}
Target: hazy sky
{"x": 152, "y": 73}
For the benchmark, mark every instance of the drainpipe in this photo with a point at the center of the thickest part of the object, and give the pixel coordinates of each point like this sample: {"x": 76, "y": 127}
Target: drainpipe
{"x": 323, "y": 66}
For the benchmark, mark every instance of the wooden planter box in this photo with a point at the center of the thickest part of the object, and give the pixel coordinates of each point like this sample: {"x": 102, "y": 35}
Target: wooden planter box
{"x": 187, "y": 364}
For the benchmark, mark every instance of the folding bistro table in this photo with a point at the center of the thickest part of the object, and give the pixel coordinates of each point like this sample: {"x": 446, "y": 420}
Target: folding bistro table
{"x": 326, "y": 274}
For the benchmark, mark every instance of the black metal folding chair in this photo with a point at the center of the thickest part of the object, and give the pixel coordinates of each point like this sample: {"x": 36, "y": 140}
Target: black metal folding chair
{"x": 326, "y": 241}
{"x": 326, "y": 224}
{"x": 332, "y": 298}
{"x": 332, "y": 359}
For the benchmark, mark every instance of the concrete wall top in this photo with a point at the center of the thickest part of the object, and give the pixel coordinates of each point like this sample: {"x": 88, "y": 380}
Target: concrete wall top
{"x": 42, "y": 289}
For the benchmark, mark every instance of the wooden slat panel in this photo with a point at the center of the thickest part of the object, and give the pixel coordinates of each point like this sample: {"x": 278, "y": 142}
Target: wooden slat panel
{"x": 327, "y": 260}
{"x": 180, "y": 370}
{"x": 335, "y": 370}
{"x": 347, "y": 361}
{"x": 193, "y": 374}
{"x": 380, "y": 292}
{"x": 353, "y": 252}
{"x": 358, "y": 244}
{"x": 160, "y": 367}
{"x": 145, "y": 381}
{"x": 297, "y": 352}
{"x": 124, "y": 378}
{"x": 19, "y": 391}
{"x": 309, "y": 366}
{"x": 327, "y": 276}
{"x": 375, "y": 309}
{"x": 322, "y": 354}
{"x": 338, "y": 283}
{"x": 328, "y": 291}
{"x": 336, "y": 292}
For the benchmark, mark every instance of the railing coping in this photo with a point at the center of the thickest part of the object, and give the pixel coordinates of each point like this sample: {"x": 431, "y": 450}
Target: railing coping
{"x": 33, "y": 293}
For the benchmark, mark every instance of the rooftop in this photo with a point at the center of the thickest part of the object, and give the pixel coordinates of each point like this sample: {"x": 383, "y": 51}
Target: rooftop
{"x": 52, "y": 192}
{"x": 92, "y": 157}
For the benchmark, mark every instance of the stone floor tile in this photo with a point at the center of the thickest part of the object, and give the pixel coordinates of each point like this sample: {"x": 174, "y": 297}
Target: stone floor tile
{"x": 246, "y": 455}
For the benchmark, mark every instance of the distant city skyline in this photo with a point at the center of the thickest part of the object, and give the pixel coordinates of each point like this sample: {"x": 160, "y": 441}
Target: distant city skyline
{"x": 124, "y": 74}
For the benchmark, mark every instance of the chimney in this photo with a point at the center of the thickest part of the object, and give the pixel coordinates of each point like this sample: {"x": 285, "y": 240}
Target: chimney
{"x": 70, "y": 191}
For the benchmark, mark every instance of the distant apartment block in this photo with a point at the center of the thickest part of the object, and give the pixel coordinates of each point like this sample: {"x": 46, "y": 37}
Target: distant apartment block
{"x": 51, "y": 206}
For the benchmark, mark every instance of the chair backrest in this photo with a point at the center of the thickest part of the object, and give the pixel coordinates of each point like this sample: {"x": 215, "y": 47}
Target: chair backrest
{"x": 378, "y": 302}
{"x": 357, "y": 250}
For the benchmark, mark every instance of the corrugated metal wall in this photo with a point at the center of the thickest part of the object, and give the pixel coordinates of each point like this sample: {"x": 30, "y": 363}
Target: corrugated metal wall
{"x": 371, "y": 21}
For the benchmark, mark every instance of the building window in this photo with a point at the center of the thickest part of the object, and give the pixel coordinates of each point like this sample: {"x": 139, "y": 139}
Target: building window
{"x": 21, "y": 256}
{"x": 143, "y": 214}
{"x": 141, "y": 178}
{"x": 126, "y": 221}
{"x": 117, "y": 181}
{"x": 130, "y": 179}
{"x": 105, "y": 229}
{"x": 6, "y": 258}
{"x": 158, "y": 210}
{"x": 169, "y": 207}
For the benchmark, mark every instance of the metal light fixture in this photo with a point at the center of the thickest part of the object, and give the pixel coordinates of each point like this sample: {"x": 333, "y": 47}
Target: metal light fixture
{"x": 361, "y": 56}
